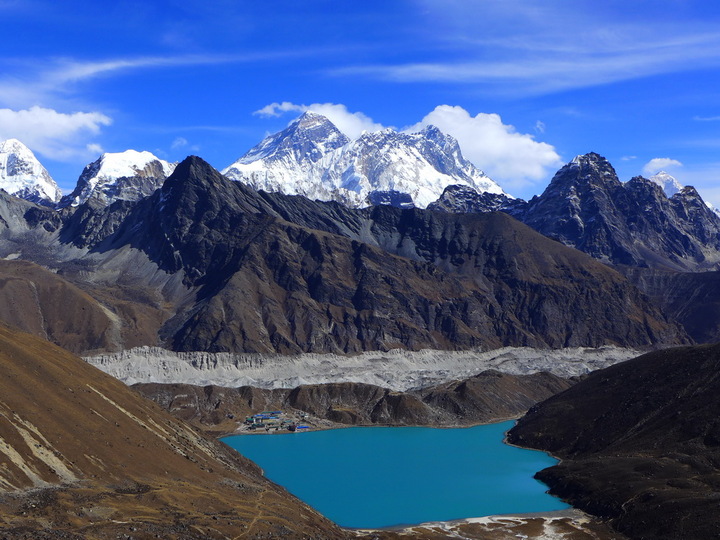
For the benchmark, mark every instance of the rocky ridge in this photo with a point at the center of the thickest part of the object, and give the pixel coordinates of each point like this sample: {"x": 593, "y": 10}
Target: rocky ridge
{"x": 634, "y": 224}
{"x": 327, "y": 278}
{"x": 486, "y": 397}
{"x": 397, "y": 370}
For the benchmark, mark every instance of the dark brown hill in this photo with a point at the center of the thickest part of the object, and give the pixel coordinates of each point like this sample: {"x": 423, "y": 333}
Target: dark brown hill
{"x": 640, "y": 443}
{"x": 82, "y": 456}
{"x": 487, "y": 397}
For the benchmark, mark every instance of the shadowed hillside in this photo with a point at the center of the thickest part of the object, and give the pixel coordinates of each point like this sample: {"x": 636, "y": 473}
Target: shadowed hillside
{"x": 640, "y": 443}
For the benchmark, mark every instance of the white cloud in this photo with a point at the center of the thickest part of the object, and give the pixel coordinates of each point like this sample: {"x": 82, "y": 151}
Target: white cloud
{"x": 656, "y": 165}
{"x": 512, "y": 159}
{"x": 628, "y": 158}
{"x": 53, "y": 134}
{"x": 351, "y": 124}
{"x": 179, "y": 142}
{"x": 95, "y": 148}
{"x": 540, "y": 126}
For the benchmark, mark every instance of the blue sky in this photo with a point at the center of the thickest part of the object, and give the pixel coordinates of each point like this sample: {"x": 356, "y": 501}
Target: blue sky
{"x": 524, "y": 85}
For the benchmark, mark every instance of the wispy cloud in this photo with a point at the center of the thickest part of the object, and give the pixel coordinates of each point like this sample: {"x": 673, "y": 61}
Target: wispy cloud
{"x": 528, "y": 47}
{"x": 43, "y": 106}
{"x": 537, "y": 74}
{"x": 706, "y": 118}
{"x": 656, "y": 165}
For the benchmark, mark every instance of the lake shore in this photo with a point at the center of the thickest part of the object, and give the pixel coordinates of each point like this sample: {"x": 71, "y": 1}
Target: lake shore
{"x": 569, "y": 524}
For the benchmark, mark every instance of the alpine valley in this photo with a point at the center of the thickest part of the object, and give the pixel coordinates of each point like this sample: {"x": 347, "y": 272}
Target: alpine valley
{"x": 311, "y": 248}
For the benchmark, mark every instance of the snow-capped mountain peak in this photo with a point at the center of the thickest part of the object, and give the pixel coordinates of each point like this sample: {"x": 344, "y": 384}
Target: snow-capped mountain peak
{"x": 669, "y": 184}
{"x": 22, "y": 175}
{"x": 307, "y": 138}
{"x": 128, "y": 175}
{"x": 311, "y": 157}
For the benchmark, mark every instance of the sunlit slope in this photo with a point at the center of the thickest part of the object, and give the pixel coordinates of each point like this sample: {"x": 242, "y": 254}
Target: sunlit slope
{"x": 81, "y": 453}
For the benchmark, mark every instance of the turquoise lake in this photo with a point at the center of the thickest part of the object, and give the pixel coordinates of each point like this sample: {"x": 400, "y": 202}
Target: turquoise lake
{"x": 373, "y": 477}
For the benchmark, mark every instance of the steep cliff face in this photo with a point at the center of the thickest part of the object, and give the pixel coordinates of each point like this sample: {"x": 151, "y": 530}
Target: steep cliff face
{"x": 84, "y": 456}
{"x": 640, "y": 443}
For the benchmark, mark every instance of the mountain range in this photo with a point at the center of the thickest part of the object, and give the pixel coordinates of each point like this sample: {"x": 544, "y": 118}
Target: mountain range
{"x": 144, "y": 252}
{"x": 184, "y": 257}
{"x": 206, "y": 263}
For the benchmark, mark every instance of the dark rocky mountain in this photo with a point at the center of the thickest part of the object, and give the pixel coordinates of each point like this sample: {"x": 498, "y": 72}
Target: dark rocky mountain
{"x": 83, "y": 456}
{"x": 632, "y": 223}
{"x": 639, "y": 442}
{"x": 487, "y": 397}
{"x": 402, "y": 286}
{"x": 635, "y": 224}
{"x": 186, "y": 263}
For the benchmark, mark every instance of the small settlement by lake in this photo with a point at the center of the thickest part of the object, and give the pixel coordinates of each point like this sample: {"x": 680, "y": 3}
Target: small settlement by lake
{"x": 274, "y": 421}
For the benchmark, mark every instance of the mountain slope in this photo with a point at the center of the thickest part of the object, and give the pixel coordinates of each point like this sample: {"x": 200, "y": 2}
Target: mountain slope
{"x": 127, "y": 176}
{"x": 312, "y": 158}
{"x": 84, "y": 456}
{"x": 640, "y": 443}
{"x": 22, "y": 175}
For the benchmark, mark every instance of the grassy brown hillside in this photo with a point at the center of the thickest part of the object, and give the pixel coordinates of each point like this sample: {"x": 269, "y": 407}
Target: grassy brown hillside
{"x": 82, "y": 456}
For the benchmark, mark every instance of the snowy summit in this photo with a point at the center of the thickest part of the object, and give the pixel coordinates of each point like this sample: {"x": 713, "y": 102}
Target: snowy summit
{"x": 311, "y": 157}
{"x": 128, "y": 175}
{"x": 22, "y": 175}
{"x": 669, "y": 184}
